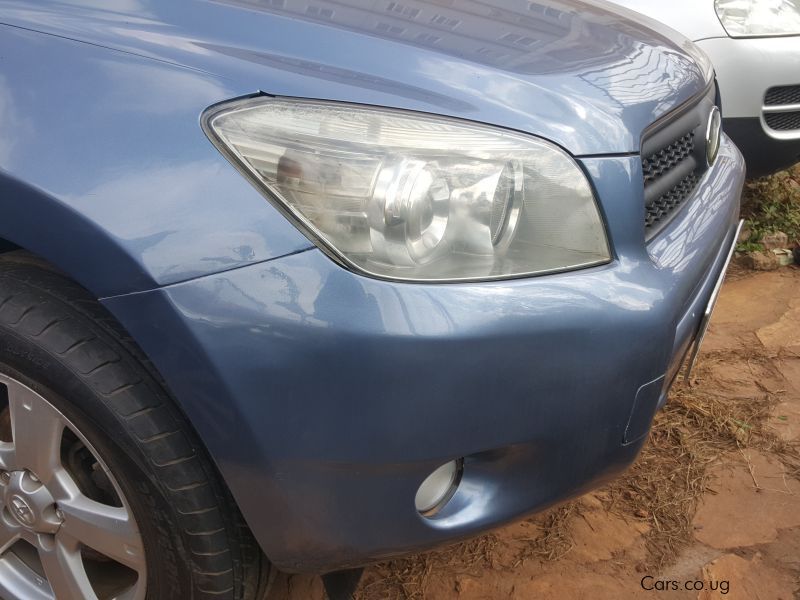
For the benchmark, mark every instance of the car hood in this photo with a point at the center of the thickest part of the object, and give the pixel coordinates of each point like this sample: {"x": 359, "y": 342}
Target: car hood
{"x": 575, "y": 73}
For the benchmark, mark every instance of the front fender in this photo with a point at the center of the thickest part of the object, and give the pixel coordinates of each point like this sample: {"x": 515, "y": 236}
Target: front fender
{"x": 106, "y": 173}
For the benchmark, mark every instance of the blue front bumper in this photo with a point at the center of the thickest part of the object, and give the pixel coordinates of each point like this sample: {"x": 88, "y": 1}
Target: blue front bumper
{"x": 326, "y": 397}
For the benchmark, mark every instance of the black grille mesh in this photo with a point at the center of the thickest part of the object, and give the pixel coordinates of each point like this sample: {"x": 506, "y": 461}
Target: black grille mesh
{"x": 787, "y": 94}
{"x": 784, "y": 121}
{"x": 670, "y": 201}
{"x": 673, "y": 156}
{"x": 666, "y": 159}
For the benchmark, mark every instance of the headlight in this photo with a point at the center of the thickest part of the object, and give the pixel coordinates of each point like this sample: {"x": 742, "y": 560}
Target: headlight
{"x": 404, "y": 195}
{"x": 754, "y": 18}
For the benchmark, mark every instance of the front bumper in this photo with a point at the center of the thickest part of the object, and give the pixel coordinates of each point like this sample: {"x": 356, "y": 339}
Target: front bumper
{"x": 326, "y": 397}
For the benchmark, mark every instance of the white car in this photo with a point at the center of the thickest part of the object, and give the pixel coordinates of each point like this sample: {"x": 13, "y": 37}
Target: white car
{"x": 755, "y": 48}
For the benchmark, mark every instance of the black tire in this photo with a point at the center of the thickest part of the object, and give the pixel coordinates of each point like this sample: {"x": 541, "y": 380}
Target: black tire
{"x": 59, "y": 341}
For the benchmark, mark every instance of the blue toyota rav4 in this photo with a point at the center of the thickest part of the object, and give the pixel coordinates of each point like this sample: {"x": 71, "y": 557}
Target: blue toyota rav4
{"x": 316, "y": 283}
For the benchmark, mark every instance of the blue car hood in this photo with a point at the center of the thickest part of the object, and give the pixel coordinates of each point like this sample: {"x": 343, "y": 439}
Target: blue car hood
{"x": 573, "y": 72}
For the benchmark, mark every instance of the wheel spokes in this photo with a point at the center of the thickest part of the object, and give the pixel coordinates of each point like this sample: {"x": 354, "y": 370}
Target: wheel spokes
{"x": 68, "y": 527}
{"x": 6, "y": 456}
{"x": 63, "y": 567}
{"x": 107, "y": 529}
{"x": 8, "y": 535}
{"x": 36, "y": 428}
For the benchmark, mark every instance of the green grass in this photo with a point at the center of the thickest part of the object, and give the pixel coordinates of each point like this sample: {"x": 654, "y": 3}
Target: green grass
{"x": 772, "y": 204}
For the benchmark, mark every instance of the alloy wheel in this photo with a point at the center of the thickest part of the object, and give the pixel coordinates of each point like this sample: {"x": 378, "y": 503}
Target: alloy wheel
{"x": 66, "y": 530}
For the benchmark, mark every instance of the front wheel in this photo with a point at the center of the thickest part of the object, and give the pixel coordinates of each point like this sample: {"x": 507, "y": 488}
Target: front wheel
{"x": 65, "y": 518}
{"x": 105, "y": 491}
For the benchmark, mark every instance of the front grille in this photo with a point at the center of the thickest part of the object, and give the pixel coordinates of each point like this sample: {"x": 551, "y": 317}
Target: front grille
{"x": 666, "y": 204}
{"x": 781, "y": 108}
{"x": 674, "y": 160}
{"x": 783, "y": 121}
{"x": 666, "y": 159}
{"x": 786, "y": 94}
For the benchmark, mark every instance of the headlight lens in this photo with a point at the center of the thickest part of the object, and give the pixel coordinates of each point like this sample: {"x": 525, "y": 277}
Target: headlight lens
{"x": 403, "y": 195}
{"x": 753, "y": 18}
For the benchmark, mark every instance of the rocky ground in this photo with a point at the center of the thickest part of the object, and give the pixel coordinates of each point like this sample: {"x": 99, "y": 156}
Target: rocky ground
{"x": 712, "y": 502}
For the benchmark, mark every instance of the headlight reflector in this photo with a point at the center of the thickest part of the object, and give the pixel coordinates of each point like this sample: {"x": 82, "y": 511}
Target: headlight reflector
{"x": 754, "y": 18}
{"x": 403, "y": 195}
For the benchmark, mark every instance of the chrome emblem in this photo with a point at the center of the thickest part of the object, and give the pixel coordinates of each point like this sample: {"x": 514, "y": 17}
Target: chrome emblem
{"x": 21, "y": 511}
{"x": 713, "y": 133}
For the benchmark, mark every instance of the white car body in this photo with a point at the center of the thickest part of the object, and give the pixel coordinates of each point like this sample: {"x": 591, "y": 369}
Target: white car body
{"x": 766, "y": 129}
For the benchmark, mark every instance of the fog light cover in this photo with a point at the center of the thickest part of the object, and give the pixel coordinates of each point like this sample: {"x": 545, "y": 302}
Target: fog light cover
{"x": 438, "y": 487}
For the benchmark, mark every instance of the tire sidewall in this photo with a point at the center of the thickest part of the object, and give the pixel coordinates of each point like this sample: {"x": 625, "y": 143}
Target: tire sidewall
{"x": 36, "y": 368}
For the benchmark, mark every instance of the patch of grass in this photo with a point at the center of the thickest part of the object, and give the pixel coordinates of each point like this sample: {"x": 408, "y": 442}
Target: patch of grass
{"x": 749, "y": 245}
{"x": 772, "y": 204}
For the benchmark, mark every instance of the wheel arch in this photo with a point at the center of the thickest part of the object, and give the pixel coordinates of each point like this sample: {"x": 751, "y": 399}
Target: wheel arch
{"x": 42, "y": 303}
{"x": 33, "y": 220}
{"x": 40, "y": 229}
